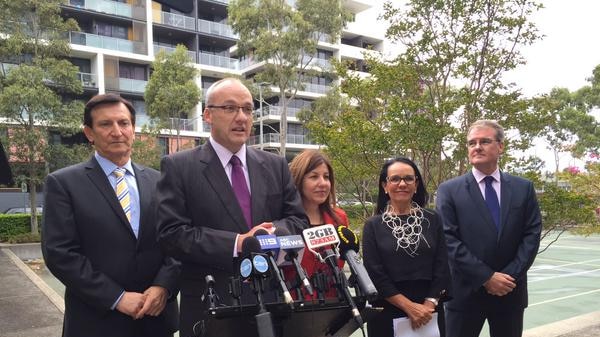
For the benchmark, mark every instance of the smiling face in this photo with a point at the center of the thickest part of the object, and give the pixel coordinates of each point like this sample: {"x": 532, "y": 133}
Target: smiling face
{"x": 400, "y": 192}
{"x": 230, "y": 129}
{"x": 316, "y": 186}
{"x": 484, "y": 149}
{"x": 112, "y": 132}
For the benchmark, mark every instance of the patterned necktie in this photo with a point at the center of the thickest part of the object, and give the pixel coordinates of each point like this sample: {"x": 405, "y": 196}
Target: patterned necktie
{"x": 122, "y": 191}
{"x": 491, "y": 200}
{"x": 240, "y": 188}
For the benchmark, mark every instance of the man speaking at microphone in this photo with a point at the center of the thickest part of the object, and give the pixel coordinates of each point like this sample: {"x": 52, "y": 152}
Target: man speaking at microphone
{"x": 214, "y": 196}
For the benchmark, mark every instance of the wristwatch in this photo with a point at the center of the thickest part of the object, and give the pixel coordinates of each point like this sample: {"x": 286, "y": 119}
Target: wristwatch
{"x": 435, "y": 301}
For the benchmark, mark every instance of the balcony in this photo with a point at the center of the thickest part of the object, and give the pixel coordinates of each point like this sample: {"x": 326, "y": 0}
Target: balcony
{"x": 125, "y": 84}
{"x": 274, "y": 138}
{"x": 274, "y": 110}
{"x": 184, "y": 124}
{"x": 316, "y": 88}
{"x": 215, "y": 28}
{"x": 169, "y": 50}
{"x": 176, "y": 20}
{"x": 88, "y": 80}
{"x": 219, "y": 61}
{"x": 104, "y": 6}
{"x": 107, "y": 42}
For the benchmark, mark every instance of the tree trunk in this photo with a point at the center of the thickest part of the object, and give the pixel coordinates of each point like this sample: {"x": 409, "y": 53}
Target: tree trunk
{"x": 283, "y": 122}
{"x": 33, "y": 206}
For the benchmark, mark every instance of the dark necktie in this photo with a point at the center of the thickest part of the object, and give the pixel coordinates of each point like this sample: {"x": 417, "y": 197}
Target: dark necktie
{"x": 240, "y": 188}
{"x": 491, "y": 200}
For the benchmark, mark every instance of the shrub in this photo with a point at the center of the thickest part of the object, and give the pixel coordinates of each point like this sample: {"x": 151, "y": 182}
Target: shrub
{"x": 17, "y": 226}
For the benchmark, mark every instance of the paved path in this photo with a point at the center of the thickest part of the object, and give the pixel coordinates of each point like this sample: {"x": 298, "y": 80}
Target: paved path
{"x": 26, "y": 310}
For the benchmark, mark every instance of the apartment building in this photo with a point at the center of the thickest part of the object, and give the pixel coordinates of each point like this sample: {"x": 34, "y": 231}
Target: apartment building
{"x": 118, "y": 41}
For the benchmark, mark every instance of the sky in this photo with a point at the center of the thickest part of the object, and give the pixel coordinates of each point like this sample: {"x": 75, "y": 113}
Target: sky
{"x": 565, "y": 57}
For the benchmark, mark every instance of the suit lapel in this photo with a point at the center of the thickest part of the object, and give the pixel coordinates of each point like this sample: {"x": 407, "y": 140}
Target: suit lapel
{"x": 505, "y": 198}
{"x": 143, "y": 184}
{"x": 215, "y": 175}
{"x": 99, "y": 179}
{"x": 256, "y": 168}
{"x": 477, "y": 198}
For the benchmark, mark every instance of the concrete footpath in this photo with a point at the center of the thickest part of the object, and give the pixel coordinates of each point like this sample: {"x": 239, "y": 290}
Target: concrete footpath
{"x": 30, "y": 308}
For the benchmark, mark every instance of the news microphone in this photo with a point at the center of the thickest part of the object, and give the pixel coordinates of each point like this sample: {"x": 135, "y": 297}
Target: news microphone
{"x": 325, "y": 236}
{"x": 210, "y": 295}
{"x": 289, "y": 246}
{"x": 269, "y": 244}
{"x": 255, "y": 266}
{"x": 349, "y": 252}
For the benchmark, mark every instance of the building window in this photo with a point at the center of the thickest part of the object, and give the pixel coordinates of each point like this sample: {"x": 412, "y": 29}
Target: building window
{"x": 163, "y": 143}
{"x": 133, "y": 71}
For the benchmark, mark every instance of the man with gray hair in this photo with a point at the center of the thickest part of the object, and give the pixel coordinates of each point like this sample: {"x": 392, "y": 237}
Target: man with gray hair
{"x": 492, "y": 224}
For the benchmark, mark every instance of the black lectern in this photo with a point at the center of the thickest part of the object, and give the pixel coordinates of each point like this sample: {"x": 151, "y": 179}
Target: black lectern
{"x": 306, "y": 319}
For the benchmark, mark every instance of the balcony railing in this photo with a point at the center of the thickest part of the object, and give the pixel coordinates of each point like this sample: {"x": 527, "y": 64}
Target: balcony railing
{"x": 184, "y": 124}
{"x": 104, "y": 6}
{"x": 107, "y": 42}
{"x": 177, "y": 20}
{"x": 87, "y": 80}
{"x": 276, "y": 111}
{"x": 219, "y": 61}
{"x": 316, "y": 88}
{"x": 191, "y": 53}
{"x": 274, "y": 138}
{"x": 125, "y": 84}
{"x": 216, "y": 28}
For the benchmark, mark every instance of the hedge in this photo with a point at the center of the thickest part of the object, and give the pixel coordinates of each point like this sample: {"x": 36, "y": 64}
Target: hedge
{"x": 16, "y": 228}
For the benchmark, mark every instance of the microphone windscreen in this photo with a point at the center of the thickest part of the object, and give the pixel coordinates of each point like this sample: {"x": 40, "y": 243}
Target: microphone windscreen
{"x": 250, "y": 245}
{"x": 280, "y": 231}
{"x": 348, "y": 240}
{"x": 261, "y": 232}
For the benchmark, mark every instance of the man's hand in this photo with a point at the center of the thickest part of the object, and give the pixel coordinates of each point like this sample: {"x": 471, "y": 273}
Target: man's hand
{"x": 156, "y": 298}
{"x": 500, "y": 284}
{"x": 131, "y": 303}
{"x": 268, "y": 226}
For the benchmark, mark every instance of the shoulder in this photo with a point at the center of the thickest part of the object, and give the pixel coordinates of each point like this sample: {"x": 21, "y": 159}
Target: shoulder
{"x": 74, "y": 169}
{"x": 145, "y": 170}
{"x": 515, "y": 179}
{"x": 263, "y": 156}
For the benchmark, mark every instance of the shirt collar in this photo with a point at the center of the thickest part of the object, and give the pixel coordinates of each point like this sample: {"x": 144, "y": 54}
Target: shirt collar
{"x": 225, "y": 155}
{"x": 479, "y": 176}
{"x": 108, "y": 166}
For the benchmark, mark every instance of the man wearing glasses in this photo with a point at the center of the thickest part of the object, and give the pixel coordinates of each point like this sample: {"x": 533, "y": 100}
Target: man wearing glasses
{"x": 492, "y": 224}
{"x": 211, "y": 198}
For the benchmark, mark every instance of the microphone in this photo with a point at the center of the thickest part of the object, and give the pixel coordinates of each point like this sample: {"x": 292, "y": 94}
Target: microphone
{"x": 268, "y": 243}
{"x": 255, "y": 266}
{"x": 210, "y": 295}
{"x": 326, "y": 236}
{"x": 289, "y": 246}
{"x": 349, "y": 252}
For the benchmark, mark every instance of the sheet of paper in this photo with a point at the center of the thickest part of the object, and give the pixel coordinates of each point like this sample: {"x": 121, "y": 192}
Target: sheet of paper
{"x": 402, "y": 328}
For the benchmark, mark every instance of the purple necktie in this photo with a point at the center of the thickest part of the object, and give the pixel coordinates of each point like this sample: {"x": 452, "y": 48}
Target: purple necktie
{"x": 240, "y": 188}
{"x": 491, "y": 200}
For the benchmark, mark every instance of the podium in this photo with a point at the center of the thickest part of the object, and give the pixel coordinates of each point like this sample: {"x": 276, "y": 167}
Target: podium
{"x": 306, "y": 319}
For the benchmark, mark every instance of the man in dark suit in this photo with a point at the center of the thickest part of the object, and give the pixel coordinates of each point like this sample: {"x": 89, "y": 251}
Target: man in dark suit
{"x": 492, "y": 224}
{"x": 99, "y": 235}
{"x": 203, "y": 218}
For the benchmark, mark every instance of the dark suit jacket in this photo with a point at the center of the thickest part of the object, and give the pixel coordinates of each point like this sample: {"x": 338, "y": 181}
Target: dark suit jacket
{"x": 475, "y": 248}
{"x": 199, "y": 217}
{"x": 89, "y": 246}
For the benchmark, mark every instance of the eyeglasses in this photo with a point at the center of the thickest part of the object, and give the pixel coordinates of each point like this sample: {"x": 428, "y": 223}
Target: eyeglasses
{"x": 408, "y": 180}
{"x": 482, "y": 142}
{"x": 233, "y": 109}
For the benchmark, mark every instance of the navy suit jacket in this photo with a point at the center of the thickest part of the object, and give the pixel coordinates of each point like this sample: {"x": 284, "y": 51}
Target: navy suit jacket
{"x": 88, "y": 244}
{"x": 475, "y": 247}
{"x": 199, "y": 217}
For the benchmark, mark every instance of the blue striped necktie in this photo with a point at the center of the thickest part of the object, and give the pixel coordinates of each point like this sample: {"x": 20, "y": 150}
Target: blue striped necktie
{"x": 123, "y": 191}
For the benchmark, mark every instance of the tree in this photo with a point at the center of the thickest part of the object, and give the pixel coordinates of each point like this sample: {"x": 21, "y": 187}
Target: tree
{"x": 172, "y": 91}
{"x": 33, "y": 38}
{"x": 286, "y": 40}
{"x": 449, "y": 75}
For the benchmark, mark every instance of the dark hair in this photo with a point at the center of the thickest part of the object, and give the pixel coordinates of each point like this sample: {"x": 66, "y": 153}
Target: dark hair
{"x": 307, "y": 161}
{"x": 105, "y": 99}
{"x": 420, "y": 196}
